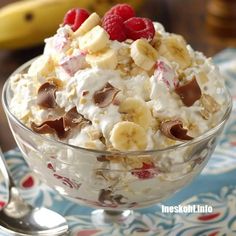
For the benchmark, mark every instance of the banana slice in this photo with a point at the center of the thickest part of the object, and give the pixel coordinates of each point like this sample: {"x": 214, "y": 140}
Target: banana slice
{"x": 128, "y": 136}
{"x": 106, "y": 59}
{"x": 143, "y": 54}
{"x": 137, "y": 111}
{"x": 174, "y": 48}
{"x": 92, "y": 21}
{"x": 95, "y": 40}
{"x": 43, "y": 66}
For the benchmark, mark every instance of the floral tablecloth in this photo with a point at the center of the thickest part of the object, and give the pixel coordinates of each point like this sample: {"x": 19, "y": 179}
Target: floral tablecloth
{"x": 216, "y": 187}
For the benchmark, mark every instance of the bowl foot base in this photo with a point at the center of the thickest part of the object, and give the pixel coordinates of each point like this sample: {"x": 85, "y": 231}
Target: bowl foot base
{"x": 105, "y": 217}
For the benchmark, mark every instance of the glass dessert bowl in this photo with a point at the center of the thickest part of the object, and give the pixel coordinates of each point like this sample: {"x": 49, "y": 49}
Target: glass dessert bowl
{"x": 115, "y": 116}
{"x": 114, "y": 181}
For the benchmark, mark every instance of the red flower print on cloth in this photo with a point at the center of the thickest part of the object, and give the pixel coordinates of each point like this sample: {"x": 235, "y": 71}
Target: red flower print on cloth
{"x": 28, "y": 181}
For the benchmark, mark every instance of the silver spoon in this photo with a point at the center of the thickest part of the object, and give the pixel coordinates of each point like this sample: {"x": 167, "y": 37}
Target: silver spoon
{"x": 21, "y": 219}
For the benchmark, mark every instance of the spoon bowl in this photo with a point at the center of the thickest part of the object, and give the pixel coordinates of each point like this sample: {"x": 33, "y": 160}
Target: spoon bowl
{"x": 19, "y": 218}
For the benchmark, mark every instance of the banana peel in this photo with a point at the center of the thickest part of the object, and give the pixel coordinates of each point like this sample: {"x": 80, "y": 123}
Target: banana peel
{"x": 27, "y": 23}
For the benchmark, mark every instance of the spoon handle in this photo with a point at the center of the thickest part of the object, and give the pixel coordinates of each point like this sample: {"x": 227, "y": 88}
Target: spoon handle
{"x": 5, "y": 171}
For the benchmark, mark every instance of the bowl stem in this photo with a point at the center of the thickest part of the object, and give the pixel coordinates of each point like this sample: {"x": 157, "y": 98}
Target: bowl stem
{"x": 105, "y": 217}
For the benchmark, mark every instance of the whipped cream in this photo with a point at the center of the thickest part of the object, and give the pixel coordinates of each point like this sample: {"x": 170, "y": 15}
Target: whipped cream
{"x": 156, "y": 87}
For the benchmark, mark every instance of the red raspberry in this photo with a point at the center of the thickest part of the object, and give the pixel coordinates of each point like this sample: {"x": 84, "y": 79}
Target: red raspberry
{"x": 145, "y": 172}
{"x": 75, "y": 17}
{"x": 123, "y": 10}
{"x": 137, "y": 27}
{"x": 114, "y": 26}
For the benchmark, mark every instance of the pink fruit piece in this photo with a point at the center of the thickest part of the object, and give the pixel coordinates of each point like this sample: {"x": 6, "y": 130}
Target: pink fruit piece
{"x": 147, "y": 171}
{"x": 166, "y": 74}
{"x": 72, "y": 64}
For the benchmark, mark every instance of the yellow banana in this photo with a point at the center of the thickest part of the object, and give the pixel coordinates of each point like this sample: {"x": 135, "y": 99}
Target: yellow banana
{"x": 27, "y": 23}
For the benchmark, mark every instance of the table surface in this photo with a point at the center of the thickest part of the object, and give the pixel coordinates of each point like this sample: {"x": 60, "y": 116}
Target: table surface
{"x": 186, "y": 17}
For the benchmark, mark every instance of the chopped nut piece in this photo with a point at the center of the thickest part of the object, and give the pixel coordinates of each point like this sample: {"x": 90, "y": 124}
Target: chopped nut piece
{"x": 69, "y": 52}
{"x": 94, "y": 134}
{"x": 205, "y": 114}
{"x": 49, "y": 67}
{"x": 202, "y": 77}
{"x": 200, "y": 61}
{"x": 210, "y": 103}
{"x": 136, "y": 71}
{"x": 56, "y": 81}
{"x": 123, "y": 56}
{"x": 137, "y": 161}
{"x": 124, "y": 69}
{"x": 210, "y": 106}
{"x": 83, "y": 101}
{"x": 72, "y": 93}
{"x": 90, "y": 145}
{"x": 181, "y": 76}
{"x": 116, "y": 159}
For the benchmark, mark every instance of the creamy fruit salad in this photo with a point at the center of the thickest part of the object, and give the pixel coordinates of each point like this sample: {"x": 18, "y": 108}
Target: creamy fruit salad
{"x": 112, "y": 85}
{"x": 118, "y": 83}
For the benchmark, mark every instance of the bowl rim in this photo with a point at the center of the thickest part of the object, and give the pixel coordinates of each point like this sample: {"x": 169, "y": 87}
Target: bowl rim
{"x": 195, "y": 140}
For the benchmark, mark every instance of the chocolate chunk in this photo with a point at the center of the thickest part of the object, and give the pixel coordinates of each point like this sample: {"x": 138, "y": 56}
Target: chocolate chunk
{"x": 46, "y": 95}
{"x": 72, "y": 118}
{"x": 118, "y": 199}
{"x": 105, "y": 96}
{"x": 62, "y": 126}
{"x": 189, "y": 93}
{"x": 102, "y": 158}
{"x": 85, "y": 92}
{"x": 106, "y": 196}
{"x": 173, "y": 129}
{"x": 49, "y": 127}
